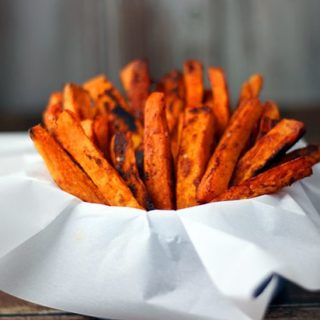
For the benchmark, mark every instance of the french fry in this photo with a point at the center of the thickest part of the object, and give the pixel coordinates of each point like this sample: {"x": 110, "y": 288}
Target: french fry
{"x": 87, "y": 126}
{"x": 279, "y": 139}
{"x": 221, "y": 108}
{"x": 171, "y": 84}
{"x": 67, "y": 175}
{"x": 77, "y": 100}
{"x": 194, "y": 153}
{"x": 157, "y": 154}
{"x": 101, "y": 132}
{"x": 174, "y": 107}
{"x": 270, "y": 116}
{"x": 124, "y": 160}
{"x": 54, "y": 108}
{"x": 271, "y": 181}
{"x": 251, "y": 88}
{"x": 136, "y": 82}
{"x": 193, "y": 79}
{"x": 101, "y": 87}
{"x": 223, "y": 161}
{"x": 311, "y": 151}
{"x": 71, "y": 136}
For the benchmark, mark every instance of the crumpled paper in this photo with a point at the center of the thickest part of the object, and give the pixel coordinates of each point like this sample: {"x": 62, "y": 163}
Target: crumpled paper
{"x": 215, "y": 261}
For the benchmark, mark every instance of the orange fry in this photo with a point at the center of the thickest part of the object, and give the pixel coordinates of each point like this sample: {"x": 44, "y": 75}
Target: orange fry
{"x": 279, "y": 139}
{"x": 71, "y": 136}
{"x": 87, "y": 126}
{"x": 101, "y": 132}
{"x": 136, "y": 82}
{"x": 77, "y": 100}
{"x": 251, "y": 88}
{"x": 67, "y": 175}
{"x": 193, "y": 79}
{"x": 270, "y": 181}
{"x": 124, "y": 160}
{"x": 171, "y": 84}
{"x": 222, "y": 163}
{"x": 54, "y": 108}
{"x": 157, "y": 155}
{"x": 221, "y": 108}
{"x": 194, "y": 153}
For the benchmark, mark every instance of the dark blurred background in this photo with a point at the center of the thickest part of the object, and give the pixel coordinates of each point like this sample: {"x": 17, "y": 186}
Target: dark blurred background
{"x": 45, "y": 43}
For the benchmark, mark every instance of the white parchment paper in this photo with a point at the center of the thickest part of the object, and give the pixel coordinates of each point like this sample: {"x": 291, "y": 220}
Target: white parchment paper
{"x": 215, "y": 261}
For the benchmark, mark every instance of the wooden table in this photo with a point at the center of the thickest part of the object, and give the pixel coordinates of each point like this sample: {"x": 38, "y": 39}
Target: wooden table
{"x": 292, "y": 302}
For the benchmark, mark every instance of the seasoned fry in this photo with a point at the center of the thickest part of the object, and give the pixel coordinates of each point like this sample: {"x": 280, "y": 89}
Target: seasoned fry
{"x": 174, "y": 107}
{"x": 101, "y": 87}
{"x": 193, "y": 79}
{"x": 51, "y": 114}
{"x": 124, "y": 160}
{"x": 311, "y": 151}
{"x": 279, "y": 139}
{"x": 269, "y": 118}
{"x": 222, "y": 163}
{"x": 69, "y": 133}
{"x": 251, "y": 88}
{"x": 101, "y": 132}
{"x": 77, "y": 100}
{"x": 157, "y": 155}
{"x": 194, "y": 153}
{"x": 87, "y": 126}
{"x": 136, "y": 82}
{"x": 171, "y": 84}
{"x": 270, "y": 181}
{"x": 67, "y": 175}
{"x": 221, "y": 108}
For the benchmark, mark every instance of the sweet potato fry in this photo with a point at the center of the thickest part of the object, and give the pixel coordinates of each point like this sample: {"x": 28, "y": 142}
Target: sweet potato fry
{"x": 171, "y": 84}
{"x": 222, "y": 163}
{"x": 77, "y": 100}
{"x": 251, "y": 88}
{"x": 101, "y": 87}
{"x": 270, "y": 117}
{"x": 67, "y": 175}
{"x": 124, "y": 160}
{"x": 194, "y": 152}
{"x": 270, "y": 181}
{"x": 136, "y": 82}
{"x": 174, "y": 107}
{"x": 193, "y": 79}
{"x": 311, "y": 151}
{"x": 157, "y": 155}
{"x": 221, "y": 108}
{"x": 87, "y": 126}
{"x": 101, "y": 132}
{"x": 53, "y": 109}
{"x": 279, "y": 139}
{"x": 69, "y": 133}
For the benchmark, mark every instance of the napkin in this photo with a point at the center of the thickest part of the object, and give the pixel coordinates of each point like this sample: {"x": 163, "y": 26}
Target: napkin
{"x": 214, "y": 261}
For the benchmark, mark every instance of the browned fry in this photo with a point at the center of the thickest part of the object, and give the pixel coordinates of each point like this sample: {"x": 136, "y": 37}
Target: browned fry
{"x": 87, "y": 126}
{"x": 221, "y": 108}
{"x": 174, "y": 107}
{"x": 77, "y": 100}
{"x": 53, "y": 109}
{"x": 193, "y": 79}
{"x": 279, "y": 139}
{"x": 101, "y": 87}
{"x": 124, "y": 160}
{"x": 171, "y": 84}
{"x": 269, "y": 118}
{"x": 136, "y": 82}
{"x": 67, "y": 175}
{"x": 270, "y": 181}
{"x": 101, "y": 132}
{"x": 251, "y": 88}
{"x": 222, "y": 163}
{"x": 176, "y": 137}
{"x": 71, "y": 136}
{"x": 157, "y": 154}
{"x": 194, "y": 153}
{"x": 311, "y": 151}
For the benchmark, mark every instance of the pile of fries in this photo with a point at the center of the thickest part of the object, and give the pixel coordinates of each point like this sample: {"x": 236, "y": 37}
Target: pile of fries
{"x": 173, "y": 147}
